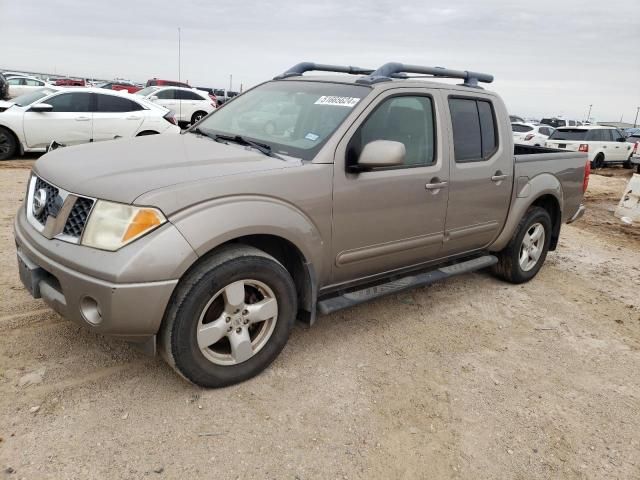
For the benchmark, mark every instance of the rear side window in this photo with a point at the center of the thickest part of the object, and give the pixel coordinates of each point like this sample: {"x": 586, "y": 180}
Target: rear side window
{"x": 185, "y": 95}
{"x": 474, "y": 129}
{"x": 616, "y": 135}
{"x": 111, "y": 103}
{"x": 520, "y": 128}
{"x": 404, "y": 119}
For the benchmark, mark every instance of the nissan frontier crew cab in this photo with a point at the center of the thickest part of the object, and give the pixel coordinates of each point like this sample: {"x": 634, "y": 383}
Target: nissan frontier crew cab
{"x": 302, "y": 196}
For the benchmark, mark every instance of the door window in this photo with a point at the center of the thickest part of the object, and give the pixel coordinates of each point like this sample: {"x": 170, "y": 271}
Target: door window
{"x": 33, "y": 83}
{"x": 186, "y": 95}
{"x": 405, "y": 119}
{"x": 616, "y": 135}
{"x": 16, "y": 81}
{"x": 169, "y": 94}
{"x": 71, "y": 102}
{"x": 112, "y": 103}
{"x": 474, "y": 129}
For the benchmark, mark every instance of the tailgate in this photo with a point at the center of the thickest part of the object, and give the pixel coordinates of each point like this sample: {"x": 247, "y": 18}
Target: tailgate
{"x": 564, "y": 144}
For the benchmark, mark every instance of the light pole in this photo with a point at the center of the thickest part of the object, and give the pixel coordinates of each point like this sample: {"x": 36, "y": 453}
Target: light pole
{"x": 635, "y": 122}
{"x": 588, "y": 114}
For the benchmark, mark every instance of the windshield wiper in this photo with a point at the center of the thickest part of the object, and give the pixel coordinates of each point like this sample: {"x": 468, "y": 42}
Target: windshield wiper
{"x": 261, "y": 147}
{"x": 198, "y": 131}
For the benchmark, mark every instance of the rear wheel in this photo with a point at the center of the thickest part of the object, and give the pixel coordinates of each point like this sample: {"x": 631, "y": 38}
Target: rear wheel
{"x": 230, "y": 317}
{"x": 523, "y": 257}
{"x": 598, "y": 161}
{"x": 627, "y": 163}
{"x": 196, "y": 117}
{"x": 8, "y": 144}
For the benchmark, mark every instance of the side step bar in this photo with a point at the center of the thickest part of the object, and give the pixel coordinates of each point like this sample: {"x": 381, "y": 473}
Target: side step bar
{"x": 357, "y": 297}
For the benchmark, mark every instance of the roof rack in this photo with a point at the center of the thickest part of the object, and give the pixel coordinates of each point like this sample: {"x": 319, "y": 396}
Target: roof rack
{"x": 392, "y": 70}
{"x": 300, "y": 68}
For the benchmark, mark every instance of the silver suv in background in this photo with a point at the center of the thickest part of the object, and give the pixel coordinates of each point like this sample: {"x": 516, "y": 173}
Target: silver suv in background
{"x": 209, "y": 245}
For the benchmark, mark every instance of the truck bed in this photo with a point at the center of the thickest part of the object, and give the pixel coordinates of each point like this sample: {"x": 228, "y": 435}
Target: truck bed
{"x": 567, "y": 167}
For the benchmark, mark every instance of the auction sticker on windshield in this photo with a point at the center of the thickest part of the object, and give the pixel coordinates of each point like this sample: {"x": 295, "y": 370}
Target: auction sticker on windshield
{"x": 338, "y": 101}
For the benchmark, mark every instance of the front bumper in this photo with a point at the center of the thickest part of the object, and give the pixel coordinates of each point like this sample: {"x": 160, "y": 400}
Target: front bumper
{"x": 578, "y": 215}
{"x": 131, "y": 310}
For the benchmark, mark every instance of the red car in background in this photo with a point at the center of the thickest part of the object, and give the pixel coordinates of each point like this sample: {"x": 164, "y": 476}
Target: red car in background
{"x": 129, "y": 87}
{"x": 70, "y": 82}
{"x": 156, "y": 82}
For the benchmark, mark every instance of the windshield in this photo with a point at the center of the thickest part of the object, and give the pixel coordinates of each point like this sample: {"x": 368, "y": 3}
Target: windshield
{"x": 294, "y": 118}
{"x": 146, "y": 91}
{"x": 568, "y": 134}
{"x": 516, "y": 127}
{"x": 29, "y": 98}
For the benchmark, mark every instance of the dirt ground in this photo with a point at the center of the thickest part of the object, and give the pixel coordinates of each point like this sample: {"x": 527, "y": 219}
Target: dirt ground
{"x": 466, "y": 379}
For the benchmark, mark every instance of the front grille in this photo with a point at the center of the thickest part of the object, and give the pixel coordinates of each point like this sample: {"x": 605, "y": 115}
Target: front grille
{"x": 52, "y": 199}
{"x": 77, "y": 218}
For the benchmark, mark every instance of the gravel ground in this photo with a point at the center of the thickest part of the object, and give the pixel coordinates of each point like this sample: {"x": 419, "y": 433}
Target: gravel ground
{"x": 469, "y": 378}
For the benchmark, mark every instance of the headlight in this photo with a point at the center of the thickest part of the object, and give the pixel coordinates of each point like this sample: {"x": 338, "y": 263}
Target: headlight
{"x": 113, "y": 225}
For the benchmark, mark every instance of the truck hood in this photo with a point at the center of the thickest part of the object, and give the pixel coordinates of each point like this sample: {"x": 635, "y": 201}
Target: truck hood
{"x": 122, "y": 170}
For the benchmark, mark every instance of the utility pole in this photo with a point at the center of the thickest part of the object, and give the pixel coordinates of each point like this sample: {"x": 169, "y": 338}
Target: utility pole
{"x": 230, "y": 81}
{"x": 179, "y": 54}
{"x": 588, "y": 114}
{"x": 635, "y": 122}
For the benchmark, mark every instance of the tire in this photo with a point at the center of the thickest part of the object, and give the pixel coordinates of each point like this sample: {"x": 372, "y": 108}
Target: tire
{"x": 509, "y": 266}
{"x": 598, "y": 161}
{"x": 8, "y": 144}
{"x": 627, "y": 164}
{"x": 197, "y": 116}
{"x": 203, "y": 309}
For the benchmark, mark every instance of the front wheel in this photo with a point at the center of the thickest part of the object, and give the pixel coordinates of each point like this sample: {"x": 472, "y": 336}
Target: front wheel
{"x": 229, "y": 318}
{"x": 196, "y": 117}
{"x": 523, "y": 257}
{"x": 8, "y": 144}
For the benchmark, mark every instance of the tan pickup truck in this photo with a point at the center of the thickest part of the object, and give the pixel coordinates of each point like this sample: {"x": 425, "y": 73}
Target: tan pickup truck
{"x": 300, "y": 197}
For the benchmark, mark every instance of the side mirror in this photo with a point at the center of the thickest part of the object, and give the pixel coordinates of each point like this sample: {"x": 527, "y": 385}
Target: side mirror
{"x": 41, "y": 108}
{"x": 621, "y": 139}
{"x": 381, "y": 153}
{"x": 153, "y": 98}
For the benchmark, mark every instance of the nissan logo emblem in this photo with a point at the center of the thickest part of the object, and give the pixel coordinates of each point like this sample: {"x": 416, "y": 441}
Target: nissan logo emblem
{"x": 39, "y": 201}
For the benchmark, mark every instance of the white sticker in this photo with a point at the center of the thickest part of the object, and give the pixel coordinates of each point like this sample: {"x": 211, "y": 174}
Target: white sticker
{"x": 338, "y": 101}
{"x": 311, "y": 136}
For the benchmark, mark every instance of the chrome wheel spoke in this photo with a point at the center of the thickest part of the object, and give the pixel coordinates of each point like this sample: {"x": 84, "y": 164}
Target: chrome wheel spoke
{"x": 536, "y": 235}
{"x": 234, "y": 296}
{"x": 241, "y": 348}
{"x": 261, "y": 311}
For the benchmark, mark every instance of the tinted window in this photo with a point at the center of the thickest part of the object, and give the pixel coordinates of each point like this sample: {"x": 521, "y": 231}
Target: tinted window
{"x": 572, "y": 123}
{"x": 408, "y": 120}
{"x": 33, "y": 83}
{"x": 186, "y": 95}
{"x": 616, "y": 135}
{"x": 111, "y": 103}
{"x": 71, "y": 102}
{"x": 569, "y": 134}
{"x": 15, "y": 81}
{"x": 474, "y": 131}
{"x": 544, "y": 131}
{"x": 169, "y": 94}
{"x": 520, "y": 128}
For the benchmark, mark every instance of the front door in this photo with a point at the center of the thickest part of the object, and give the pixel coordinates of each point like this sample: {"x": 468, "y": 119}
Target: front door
{"x": 68, "y": 123}
{"x": 391, "y": 218}
{"x": 115, "y": 116}
{"x": 481, "y": 174}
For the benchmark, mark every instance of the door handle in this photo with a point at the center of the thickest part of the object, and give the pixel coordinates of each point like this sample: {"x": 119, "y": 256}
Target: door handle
{"x": 133, "y": 117}
{"x": 435, "y": 186}
{"x": 82, "y": 119}
{"x": 498, "y": 178}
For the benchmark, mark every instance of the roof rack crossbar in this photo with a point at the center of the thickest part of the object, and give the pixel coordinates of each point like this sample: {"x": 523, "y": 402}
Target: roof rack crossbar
{"x": 398, "y": 70}
{"x": 303, "y": 67}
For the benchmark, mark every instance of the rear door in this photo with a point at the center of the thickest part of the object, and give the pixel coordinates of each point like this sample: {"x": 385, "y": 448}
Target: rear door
{"x": 620, "y": 148}
{"x": 481, "y": 170}
{"x": 389, "y": 218}
{"x": 69, "y": 123}
{"x": 189, "y": 103}
{"x": 115, "y": 116}
{"x": 16, "y": 86}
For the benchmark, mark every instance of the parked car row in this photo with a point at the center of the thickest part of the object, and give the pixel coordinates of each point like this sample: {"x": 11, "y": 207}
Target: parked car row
{"x": 530, "y": 134}
{"x": 31, "y": 122}
{"x": 189, "y": 105}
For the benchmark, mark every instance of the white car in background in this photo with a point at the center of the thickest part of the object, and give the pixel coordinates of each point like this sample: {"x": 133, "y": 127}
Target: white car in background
{"x": 189, "y": 105}
{"x": 21, "y": 84}
{"x": 530, "y": 134}
{"x": 31, "y": 122}
{"x": 604, "y": 145}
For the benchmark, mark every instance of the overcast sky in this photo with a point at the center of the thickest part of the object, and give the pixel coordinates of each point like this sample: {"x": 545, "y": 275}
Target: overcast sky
{"x": 548, "y": 57}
